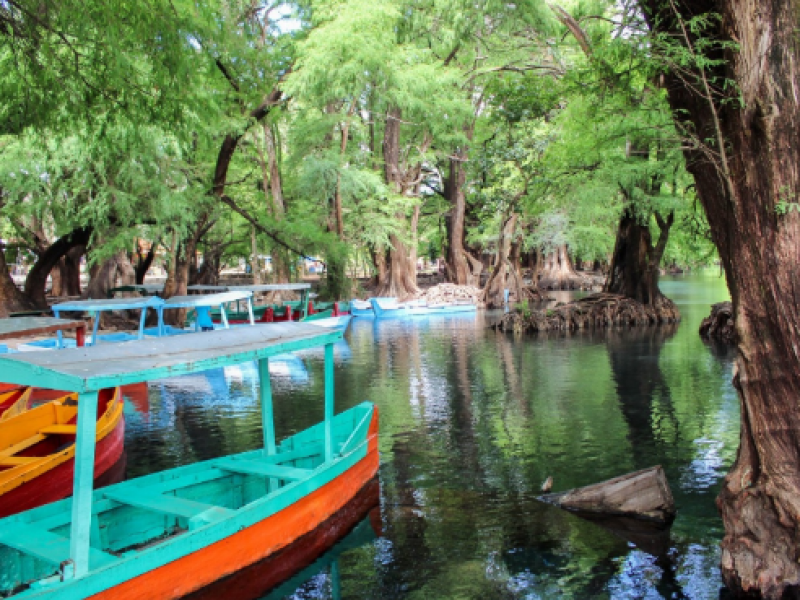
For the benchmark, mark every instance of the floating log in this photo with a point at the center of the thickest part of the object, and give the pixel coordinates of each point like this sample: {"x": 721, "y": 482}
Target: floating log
{"x": 643, "y": 495}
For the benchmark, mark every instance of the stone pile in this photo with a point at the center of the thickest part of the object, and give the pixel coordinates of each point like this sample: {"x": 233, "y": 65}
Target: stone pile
{"x": 448, "y": 293}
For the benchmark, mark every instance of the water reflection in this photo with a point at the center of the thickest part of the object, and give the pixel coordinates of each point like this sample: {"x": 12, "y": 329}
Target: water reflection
{"x": 472, "y": 422}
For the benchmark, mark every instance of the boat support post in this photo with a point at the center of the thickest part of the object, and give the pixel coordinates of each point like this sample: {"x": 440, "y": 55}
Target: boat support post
{"x": 142, "y": 320}
{"x": 250, "y": 310}
{"x": 329, "y": 402}
{"x": 304, "y": 299}
{"x": 59, "y": 335}
{"x": 95, "y": 314}
{"x": 224, "y": 315}
{"x": 82, "y": 483}
{"x": 267, "y": 417}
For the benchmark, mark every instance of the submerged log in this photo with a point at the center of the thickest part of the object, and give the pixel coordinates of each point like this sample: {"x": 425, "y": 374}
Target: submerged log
{"x": 643, "y": 495}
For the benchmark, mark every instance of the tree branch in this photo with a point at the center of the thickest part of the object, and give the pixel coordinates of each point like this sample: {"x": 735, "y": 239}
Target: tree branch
{"x": 254, "y": 222}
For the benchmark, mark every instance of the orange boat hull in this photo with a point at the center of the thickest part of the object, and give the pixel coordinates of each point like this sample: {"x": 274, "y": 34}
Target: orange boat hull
{"x": 225, "y": 557}
{"x": 257, "y": 579}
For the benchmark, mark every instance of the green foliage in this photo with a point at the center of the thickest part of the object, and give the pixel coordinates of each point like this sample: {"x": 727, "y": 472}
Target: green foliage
{"x": 116, "y": 115}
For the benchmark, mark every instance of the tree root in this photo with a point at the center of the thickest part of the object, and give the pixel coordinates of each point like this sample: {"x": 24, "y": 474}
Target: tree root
{"x": 593, "y": 312}
{"x": 720, "y": 325}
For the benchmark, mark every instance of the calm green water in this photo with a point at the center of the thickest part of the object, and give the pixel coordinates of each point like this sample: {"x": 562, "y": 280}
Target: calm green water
{"x": 472, "y": 422}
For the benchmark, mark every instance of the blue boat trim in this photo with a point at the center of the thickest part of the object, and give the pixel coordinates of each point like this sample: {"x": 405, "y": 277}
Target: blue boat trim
{"x": 389, "y": 307}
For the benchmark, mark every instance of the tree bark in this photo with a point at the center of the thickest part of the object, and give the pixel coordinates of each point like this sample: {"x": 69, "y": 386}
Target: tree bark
{"x": 635, "y": 262}
{"x": 401, "y": 272}
{"x": 71, "y": 271}
{"x": 557, "y": 271}
{"x": 271, "y": 176}
{"x": 11, "y": 298}
{"x": 458, "y": 266}
{"x": 144, "y": 261}
{"x": 105, "y": 276}
{"x": 744, "y": 175}
{"x": 255, "y": 263}
{"x": 36, "y": 282}
{"x": 496, "y": 284}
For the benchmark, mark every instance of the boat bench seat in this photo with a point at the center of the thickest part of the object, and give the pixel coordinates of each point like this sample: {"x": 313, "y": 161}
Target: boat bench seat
{"x": 198, "y": 513}
{"x": 20, "y": 446}
{"x": 59, "y": 430}
{"x": 15, "y": 461}
{"x": 254, "y": 467}
{"x": 48, "y": 546}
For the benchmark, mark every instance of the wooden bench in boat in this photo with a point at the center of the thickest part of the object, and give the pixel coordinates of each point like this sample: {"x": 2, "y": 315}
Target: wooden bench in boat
{"x": 15, "y": 461}
{"x": 48, "y": 546}
{"x": 20, "y": 446}
{"x": 197, "y": 513}
{"x": 59, "y": 430}
{"x": 255, "y": 467}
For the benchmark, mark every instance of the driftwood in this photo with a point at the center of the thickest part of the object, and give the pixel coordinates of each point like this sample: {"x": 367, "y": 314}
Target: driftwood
{"x": 642, "y": 495}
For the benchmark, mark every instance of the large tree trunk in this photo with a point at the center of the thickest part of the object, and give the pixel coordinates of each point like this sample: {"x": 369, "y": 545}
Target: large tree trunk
{"x": 36, "y": 282}
{"x": 209, "y": 271}
{"x": 255, "y": 261}
{"x": 493, "y": 291}
{"x": 459, "y": 266}
{"x": 557, "y": 271}
{"x": 105, "y": 276}
{"x": 750, "y": 168}
{"x": 401, "y": 273}
{"x": 11, "y": 298}
{"x": 271, "y": 177}
{"x": 144, "y": 260}
{"x": 636, "y": 261}
{"x": 70, "y": 267}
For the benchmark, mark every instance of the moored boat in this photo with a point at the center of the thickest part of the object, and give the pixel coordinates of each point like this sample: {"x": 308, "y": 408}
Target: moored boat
{"x": 14, "y": 401}
{"x": 168, "y": 534}
{"x": 37, "y": 450}
{"x": 326, "y": 319}
{"x": 361, "y": 308}
{"x": 390, "y": 307}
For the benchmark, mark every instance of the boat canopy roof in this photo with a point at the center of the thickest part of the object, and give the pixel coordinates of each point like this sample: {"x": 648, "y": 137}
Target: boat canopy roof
{"x": 207, "y": 288}
{"x": 265, "y": 287}
{"x": 89, "y": 369}
{"x": 20, "y": 326}
{"x": 271, "y": 287}
{"x": 206, "y": 300}
{"x": 108, "y": 304}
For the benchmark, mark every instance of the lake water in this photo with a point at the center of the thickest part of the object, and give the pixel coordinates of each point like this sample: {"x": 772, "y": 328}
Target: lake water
{"x": 472, "y": 422}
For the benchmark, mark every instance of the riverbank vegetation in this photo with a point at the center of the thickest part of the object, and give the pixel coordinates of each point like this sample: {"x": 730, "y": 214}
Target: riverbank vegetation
{"x": 368, "y": 136}
{"x": 515, "y": 141}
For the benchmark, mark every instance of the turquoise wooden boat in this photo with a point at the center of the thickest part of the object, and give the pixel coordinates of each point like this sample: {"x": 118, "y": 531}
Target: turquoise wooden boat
{"x": 326, "y": 319}
{"x": 361, "y": 308}
{"x": 98, "y": 306}
{"x": 389, "y": 307}
{"x": 202, "y": 306}
{"x": 168, "y": 534}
